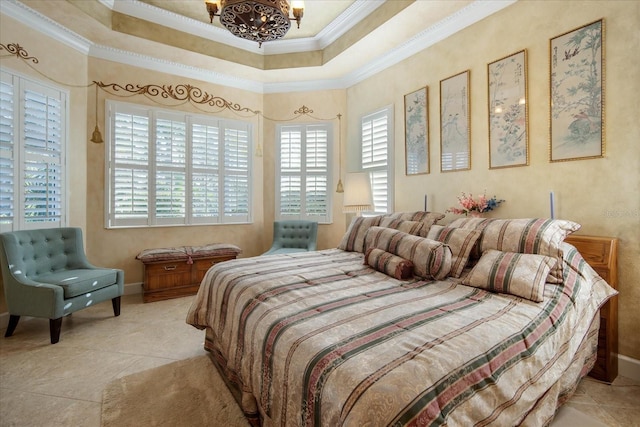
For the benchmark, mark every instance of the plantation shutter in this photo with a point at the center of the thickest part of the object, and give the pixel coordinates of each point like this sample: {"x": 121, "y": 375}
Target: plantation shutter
{"x": 236, "y": 173}
{"x": 32, "y": 154}
{"x": 130, "y": 166}
{"x": 376, "y": 143}
{"x": 303, "y": 172}
{"x": 7, "y": 154}
{"x": 205, "y": 167}
{"x": 172, "y": 168}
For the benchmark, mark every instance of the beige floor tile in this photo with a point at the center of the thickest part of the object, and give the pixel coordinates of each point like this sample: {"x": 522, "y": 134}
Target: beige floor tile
{"x": 22, "y": 409}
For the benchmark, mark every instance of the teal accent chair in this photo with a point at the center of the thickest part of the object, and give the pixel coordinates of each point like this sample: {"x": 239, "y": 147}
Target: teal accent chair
{"x": 293, "y": 236}
{"x": 45, "y": 273}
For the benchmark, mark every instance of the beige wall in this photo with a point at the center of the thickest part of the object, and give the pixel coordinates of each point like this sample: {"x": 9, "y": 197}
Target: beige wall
{"x": 601, "y": 194}
{"x": 69, "y": 74}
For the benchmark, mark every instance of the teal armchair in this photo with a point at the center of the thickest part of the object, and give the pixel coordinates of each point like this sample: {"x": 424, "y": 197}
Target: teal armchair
{"x": 46, "y": 274}
{"x": 293, "y": 236}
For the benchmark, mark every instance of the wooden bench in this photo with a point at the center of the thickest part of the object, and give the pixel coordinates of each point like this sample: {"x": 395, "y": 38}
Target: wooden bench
{"x": 177, "y": 272}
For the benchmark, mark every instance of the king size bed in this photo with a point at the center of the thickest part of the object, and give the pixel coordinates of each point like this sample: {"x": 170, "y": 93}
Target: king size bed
{"x": 480, "y": 322}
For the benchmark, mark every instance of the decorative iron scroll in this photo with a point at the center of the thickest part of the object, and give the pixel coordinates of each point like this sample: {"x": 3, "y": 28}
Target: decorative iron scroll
{"x": 304, "y": 110}
{"x": 18, "y": 51}
{"x": 181, "y": 92}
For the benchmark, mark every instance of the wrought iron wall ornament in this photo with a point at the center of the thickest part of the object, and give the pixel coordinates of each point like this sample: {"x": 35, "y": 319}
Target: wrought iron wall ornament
{"x": 181, "y": 92}
{"x": 18, "y": 51}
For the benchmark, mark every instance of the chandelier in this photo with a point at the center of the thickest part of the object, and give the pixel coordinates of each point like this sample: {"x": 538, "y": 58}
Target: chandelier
{"x": 256, "y": 20}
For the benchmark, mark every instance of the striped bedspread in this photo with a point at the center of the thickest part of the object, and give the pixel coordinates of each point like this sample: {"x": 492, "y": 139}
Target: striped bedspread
{"x": 320, "y": 339}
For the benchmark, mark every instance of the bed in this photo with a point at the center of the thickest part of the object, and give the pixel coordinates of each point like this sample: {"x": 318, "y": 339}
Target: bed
{"x": 407, "y": 322}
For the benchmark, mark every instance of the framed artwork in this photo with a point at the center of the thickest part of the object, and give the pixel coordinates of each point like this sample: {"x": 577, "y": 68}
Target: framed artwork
{"x": 455, "y": 123}
{"x": 416, "y": 132}
{"x": 508, "y": 119}
{"x": 577, "y": 93}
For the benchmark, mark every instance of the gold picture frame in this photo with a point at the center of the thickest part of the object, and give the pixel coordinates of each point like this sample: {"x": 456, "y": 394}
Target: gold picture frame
{"x": 508, "y": 111}
{"x": 455, "y": 123}
{"x": 576, "y": 113}
{"x": 416, "y": 132}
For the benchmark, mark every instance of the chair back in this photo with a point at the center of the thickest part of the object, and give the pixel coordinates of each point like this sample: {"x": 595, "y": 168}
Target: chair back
{"x": 298, "y": 234}
{"x": 35, "y": 252}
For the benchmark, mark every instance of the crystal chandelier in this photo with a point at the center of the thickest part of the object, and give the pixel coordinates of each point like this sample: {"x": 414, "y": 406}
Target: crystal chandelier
{"x": 256, "y": 20}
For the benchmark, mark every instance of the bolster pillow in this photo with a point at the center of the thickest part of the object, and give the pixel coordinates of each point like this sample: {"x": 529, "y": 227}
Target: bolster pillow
{"x": 389, "y": 264}
{"x": 431, "y": 259}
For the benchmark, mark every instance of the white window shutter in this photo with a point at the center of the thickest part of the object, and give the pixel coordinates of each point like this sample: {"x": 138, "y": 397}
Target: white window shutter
{"x": 302, "y": 172}
{"x": 376, "y": 152}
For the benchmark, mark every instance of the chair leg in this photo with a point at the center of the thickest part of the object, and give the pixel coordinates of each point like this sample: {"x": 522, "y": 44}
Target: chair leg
{"x": 54, "y": 329}
{"x": 13, "y": 322}
{"x": 115, "y": 302}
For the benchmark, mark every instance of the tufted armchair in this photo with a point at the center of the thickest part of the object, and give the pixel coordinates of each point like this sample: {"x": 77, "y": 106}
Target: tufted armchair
{"x": 46, "y": 273}
{"x": 293, "y": 236}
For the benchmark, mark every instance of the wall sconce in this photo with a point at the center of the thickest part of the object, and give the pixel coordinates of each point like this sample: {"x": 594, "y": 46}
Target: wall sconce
{"x": 358, "y": 196}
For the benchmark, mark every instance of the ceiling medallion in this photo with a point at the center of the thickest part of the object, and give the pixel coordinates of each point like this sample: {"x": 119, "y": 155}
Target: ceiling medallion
{"x": 256, "y": 20}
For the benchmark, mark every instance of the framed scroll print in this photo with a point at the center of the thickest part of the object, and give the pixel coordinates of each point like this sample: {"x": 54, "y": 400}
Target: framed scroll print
{"x": 416, "y": 132}
{"x": 508, "y": 122}
{"x": 577, "y": 93}
{"x": 455, "y": 123}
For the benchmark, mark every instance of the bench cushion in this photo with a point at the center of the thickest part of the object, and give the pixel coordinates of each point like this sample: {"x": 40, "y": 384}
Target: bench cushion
{"x": 81, "y": 281}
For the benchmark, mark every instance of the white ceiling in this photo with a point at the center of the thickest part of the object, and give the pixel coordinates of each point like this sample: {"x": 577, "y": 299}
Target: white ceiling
{"x": 87, "y": 25}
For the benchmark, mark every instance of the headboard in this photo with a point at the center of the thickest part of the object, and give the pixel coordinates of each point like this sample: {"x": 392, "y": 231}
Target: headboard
{"x": 602, "y": 255}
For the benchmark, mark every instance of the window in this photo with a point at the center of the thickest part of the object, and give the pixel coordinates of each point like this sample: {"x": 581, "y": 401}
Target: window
{"x": 377, "y": 143}
{"x": 170, "y": 168}
{"x": 302, "y": 172}
{"x": 33, "y": 141}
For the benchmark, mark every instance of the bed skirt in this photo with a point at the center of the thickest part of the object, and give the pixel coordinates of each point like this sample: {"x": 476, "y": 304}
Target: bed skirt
{"x": 541, "y": 413}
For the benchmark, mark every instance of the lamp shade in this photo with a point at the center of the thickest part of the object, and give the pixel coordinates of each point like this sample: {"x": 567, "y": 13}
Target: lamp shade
{"x": 357, "y": 192}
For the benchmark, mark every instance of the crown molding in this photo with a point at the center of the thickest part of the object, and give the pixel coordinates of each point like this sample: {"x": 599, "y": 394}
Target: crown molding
{"x": 471, "y": 14}
{"x": 458, "y": 21}
{"x": 155, "y": 64}
{"x": 358, "y": 10}
{"x": 27, "y": 16}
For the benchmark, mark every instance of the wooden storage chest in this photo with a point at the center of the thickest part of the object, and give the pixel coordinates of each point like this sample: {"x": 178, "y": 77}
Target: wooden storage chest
{"x": 177, "y": 272}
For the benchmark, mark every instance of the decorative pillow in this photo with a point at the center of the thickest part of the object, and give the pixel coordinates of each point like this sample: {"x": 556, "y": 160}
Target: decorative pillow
{"x": 522, "y": 275}
{"x": 163, "y": 254}
{"x": 460, "y": 240}
{"x": 426, "y": 218}
{"x": 213, "y": 249}
{"x": 353, "y": 240}
{"x": 526, "y": 236}
{"x": 431, "y": 259}
{"x": 409, "y": 227}
{"x": 388, "y": 263}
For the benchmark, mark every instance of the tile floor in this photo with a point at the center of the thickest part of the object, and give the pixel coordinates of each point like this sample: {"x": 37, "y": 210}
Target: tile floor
{"x": 61, "y": 385}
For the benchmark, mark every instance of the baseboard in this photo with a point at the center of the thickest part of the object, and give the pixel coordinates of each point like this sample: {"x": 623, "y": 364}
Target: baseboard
{"x": 629, "y": 367}
{"x": 133, "y": 288}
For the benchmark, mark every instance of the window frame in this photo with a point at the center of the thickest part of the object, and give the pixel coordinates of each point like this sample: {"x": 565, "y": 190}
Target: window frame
{"x": 384, "y": 112}
{"x": 303, "y": 215}
{"x": 17, "y": 149}
{"x": 152, "y": 219}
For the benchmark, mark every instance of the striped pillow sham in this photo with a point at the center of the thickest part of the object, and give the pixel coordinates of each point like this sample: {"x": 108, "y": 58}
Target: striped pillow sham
{"x": 461, "y": 242}
{"x": 410, "y": 227}
{"x": 539, "y": 236}
{"x": 353, "y": 239}
{"x": 522, "y": 275}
